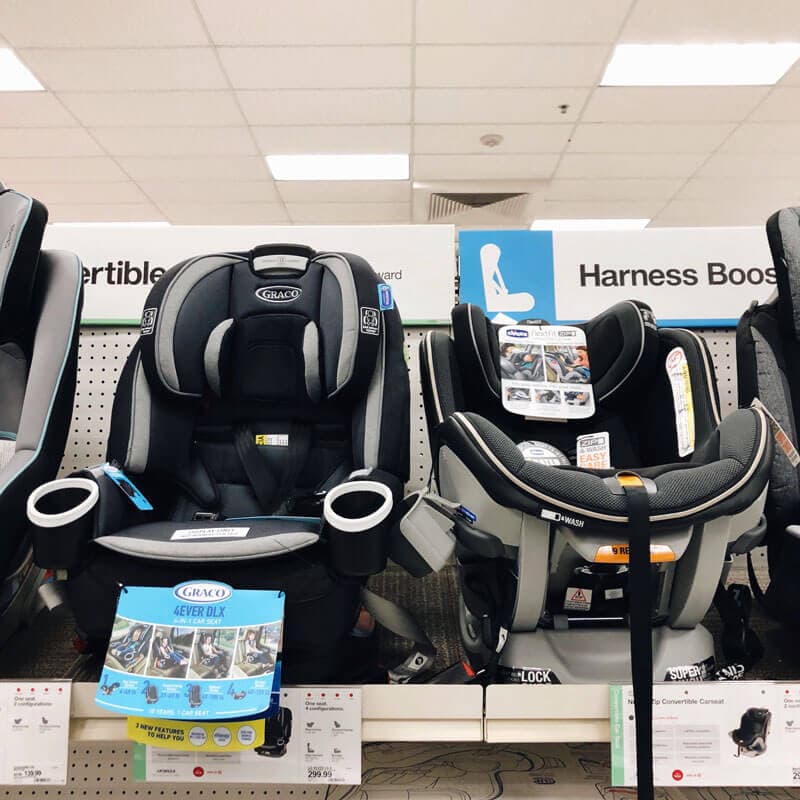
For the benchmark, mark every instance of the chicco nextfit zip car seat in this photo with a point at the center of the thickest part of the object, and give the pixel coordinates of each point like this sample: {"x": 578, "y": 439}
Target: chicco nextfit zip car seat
{"x": 768, "y": 367}
{"x": 557, "y": 559}
{"x": 263, "y": 413}
{"x": 40, "y": 305}
{"x": 751, "y": 735}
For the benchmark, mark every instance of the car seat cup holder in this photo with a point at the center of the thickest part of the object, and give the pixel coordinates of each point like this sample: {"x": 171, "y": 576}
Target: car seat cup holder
{"x": 356, "y": 516}
{"x": 60, "y": 512}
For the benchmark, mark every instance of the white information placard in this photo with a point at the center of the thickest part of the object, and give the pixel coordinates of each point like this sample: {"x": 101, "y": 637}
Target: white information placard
{"x": 34, "y": 721}
{"x": 713, "y": 733}
{"x": 317, "y": 741}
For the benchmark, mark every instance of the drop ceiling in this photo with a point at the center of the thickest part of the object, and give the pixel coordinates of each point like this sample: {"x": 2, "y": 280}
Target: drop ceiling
{"x": 160, "y": 110}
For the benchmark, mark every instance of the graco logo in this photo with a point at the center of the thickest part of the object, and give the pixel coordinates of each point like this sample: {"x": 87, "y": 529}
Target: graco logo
{"x": 202, "y": 592}
{"x": 278, "y": 294}
{"x": 516, "y": 333}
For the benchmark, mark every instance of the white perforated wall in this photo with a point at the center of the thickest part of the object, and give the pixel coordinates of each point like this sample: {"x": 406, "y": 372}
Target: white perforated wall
{"x": 103, "y": 352}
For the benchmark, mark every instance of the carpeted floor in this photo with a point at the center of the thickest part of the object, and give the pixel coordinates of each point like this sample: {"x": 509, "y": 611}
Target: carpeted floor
{"x": 45, "y": 650}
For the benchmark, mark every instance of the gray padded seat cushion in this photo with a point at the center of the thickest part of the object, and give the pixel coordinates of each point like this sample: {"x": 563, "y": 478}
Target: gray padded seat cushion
{"x": 254, "y": 538}
{"x": 683, "y": 489}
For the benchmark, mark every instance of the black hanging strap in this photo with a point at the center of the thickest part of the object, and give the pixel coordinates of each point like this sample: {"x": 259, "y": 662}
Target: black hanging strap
{"x": 641, "y": 622}
{"x": 262, "y": 479}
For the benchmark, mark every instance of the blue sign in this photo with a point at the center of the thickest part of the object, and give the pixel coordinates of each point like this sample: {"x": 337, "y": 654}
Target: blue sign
{"x": 509, "y": 274}
{"x": 200, "y": 650}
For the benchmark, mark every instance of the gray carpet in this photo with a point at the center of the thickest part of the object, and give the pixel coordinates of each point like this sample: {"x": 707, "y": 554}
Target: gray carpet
{"x": 45, "y": 650}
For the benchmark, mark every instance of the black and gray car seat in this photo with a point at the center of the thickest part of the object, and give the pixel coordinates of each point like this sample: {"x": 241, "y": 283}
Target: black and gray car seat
{"x": 768, "y": 369}
{"x": 751, "y": 735}
{"x": 41, "y": 293}
{"x": 268, "y": 389}
{"x": 532, "y": 536}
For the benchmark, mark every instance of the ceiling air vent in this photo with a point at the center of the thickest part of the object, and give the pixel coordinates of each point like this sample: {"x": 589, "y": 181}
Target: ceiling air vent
{"x": 452, "y": 204}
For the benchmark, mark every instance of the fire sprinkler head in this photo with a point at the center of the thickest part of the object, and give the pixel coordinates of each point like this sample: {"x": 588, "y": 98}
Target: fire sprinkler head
{"x": 491, "y": 139}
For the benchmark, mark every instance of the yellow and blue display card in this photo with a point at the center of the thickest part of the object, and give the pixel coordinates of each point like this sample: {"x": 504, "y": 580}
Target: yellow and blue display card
{"x": 200, "y": 650}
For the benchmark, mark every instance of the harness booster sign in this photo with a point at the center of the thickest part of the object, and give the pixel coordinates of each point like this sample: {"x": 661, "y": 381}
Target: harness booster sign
{"x": 545, "y": 372}
{"x": 200, "y": 650}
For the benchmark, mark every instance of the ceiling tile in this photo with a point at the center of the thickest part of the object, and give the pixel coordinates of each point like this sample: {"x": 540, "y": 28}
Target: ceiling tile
{"x": 328, "y": 106}
{"x": 308, "y": 21}
{"x": 317, "y": 67}
{"x": 634, "y": 165}
{"x": 740, "y": 190}
{"x": 104, "y": 212}
{"x": 211, "y": 168}
{"x": 449, "y": 21}
{"x": 792, "y": 77}
{"x": 224, "y": 191}
{"x": 19, "y": 142}
{"x": 156, "y": 109}
{"x": 783, "y": 104}
{"x": 85, "y": 70}
{"x": 702, "y": 213}
{"x": 612, "y": 189}
{"x": 599, "y": 209}
{"x": 672, "y": 103}
{"x": 33, "y": 110}
{"x": 510, "y": 65}
{"x": 632, "y": 137}
{"x": 51, "y": 170}
{"x": 344, "y": 191}
{"x": 228, "y": 141}
{"x": 751, "y": 165}
{"x": 466, "y": 138}
{"x": 224, "y": 213}
{"x": 711, "y": 21}
{"x": 334, "y": 138}
{"x": 110, "y": 23}
{"x": 765, "y": 137}
{"x": 477, "y": 167}
{"x": 498, "y": 106}
{"x": 357, "y": 213}
{"x": 85, "y": 193}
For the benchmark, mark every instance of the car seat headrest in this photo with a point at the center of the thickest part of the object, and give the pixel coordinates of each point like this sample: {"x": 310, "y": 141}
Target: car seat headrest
{"x": 783, "y": 235}
{"x": 279, "y": 324}
{"x": 622, "y": 343}
{"x": 22, "y": 224}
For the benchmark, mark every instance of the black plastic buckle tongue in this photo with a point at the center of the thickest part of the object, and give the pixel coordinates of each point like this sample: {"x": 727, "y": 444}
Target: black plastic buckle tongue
{"x": 281, "y": 258}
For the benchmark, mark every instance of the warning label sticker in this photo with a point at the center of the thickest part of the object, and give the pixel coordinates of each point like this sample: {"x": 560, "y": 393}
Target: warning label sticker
{"x": 578, "y": 599}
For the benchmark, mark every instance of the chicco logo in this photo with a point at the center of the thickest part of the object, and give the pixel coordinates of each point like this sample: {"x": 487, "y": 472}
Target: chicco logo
{"x": 516, "y": 333}
{"x": 278, "y": 294}
{"x": 202, "y": 592}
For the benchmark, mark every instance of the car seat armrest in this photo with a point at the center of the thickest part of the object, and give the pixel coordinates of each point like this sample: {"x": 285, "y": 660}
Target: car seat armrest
{"x": 114, "y": 510}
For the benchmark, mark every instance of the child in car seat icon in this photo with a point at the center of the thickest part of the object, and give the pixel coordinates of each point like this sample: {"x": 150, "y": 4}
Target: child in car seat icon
{"x": 498, "y": 298}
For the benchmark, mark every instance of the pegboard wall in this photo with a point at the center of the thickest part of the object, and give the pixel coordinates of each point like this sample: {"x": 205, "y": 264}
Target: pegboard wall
{"x": 105, "y": 771}
{"x": 103, "y": 352}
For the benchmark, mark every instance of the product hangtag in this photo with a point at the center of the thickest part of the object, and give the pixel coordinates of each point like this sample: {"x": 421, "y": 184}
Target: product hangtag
{"x": 779, "y": 434}
{"x": 594, "y": 451}
{"x": 385, "y": 297}
{"x": 127, "y": 487}
{"x": 678, "y": 373}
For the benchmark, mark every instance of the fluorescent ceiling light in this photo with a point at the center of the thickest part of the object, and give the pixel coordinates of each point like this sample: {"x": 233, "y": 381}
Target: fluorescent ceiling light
{"x": 589, "y": 224}
{"x": 14, "y": 75}
{"x": 345, "y": 167}
{"x": 750, "y": 64}
{"x": 144, "y": 224}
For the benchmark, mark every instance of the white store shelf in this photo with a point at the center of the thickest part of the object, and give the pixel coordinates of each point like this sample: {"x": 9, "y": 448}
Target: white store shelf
{"x": 389, "y": 714}
{"x": 577, "y": 713}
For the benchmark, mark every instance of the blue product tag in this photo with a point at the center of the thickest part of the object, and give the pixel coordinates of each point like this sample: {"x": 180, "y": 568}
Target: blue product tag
{"x": 128, "y": 488}
{"x": 385, "y": 297}
{"x": 200, "y": 650}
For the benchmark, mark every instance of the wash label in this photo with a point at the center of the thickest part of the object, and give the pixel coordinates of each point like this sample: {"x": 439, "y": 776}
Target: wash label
{"x": 712, "y": 734}
{"x": 545, "y": 372}
{"x": 199, "y": 651}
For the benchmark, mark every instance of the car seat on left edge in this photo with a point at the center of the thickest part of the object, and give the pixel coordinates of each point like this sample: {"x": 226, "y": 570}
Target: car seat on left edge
{"x": 264, "y": 412}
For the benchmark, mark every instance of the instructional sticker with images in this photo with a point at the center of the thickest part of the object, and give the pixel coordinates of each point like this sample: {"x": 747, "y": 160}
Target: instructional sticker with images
{"x": 545, "y": 372}
{"x": 681, "y": 383}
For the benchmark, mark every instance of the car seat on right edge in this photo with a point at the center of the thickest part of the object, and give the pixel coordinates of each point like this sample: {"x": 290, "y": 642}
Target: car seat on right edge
{"x": 543, "y": 545}
{"x": 768, "y": 370}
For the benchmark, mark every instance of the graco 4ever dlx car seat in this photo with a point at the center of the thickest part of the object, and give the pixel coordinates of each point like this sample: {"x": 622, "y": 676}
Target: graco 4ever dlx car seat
{"x": 572, "y": 573}
{"x": 268, "y": 390}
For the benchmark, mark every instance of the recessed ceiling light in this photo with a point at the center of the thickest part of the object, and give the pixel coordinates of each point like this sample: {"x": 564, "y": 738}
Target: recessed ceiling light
{"x": 143, "y": 224}
{"x": 589, "y": 224}
{"x": 749, "y": 64}
{"x": 14, "y": 75}
{"x": 344, "y": 167}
